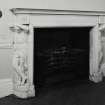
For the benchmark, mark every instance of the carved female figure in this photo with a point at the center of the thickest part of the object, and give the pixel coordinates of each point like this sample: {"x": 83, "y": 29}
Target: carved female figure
{"x": 20, "y": 65}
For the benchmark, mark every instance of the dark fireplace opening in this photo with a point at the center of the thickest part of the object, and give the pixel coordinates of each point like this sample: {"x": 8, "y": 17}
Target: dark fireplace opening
{"x": 60, "y": 54}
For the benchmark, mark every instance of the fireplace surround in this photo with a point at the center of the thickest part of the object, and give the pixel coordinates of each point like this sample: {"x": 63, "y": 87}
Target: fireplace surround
{"x": 25, "y": 20}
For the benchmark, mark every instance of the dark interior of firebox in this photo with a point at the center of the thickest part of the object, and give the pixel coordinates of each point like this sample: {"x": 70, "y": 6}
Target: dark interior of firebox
{"x": 60, "y": 54}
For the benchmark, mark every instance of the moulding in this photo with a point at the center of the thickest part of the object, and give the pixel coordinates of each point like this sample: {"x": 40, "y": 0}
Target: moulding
{"x": 6, "y": 87}
{"x": 6, "y": 41}
{"x": 6, "y": 45}
{"x": 55, "y": 12}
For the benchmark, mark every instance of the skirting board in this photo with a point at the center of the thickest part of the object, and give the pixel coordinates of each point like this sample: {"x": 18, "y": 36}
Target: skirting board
{"x": 6, "y": 87}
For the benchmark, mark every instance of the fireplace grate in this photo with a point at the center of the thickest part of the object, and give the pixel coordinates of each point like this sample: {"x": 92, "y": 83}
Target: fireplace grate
{"x": 62, "y": 59}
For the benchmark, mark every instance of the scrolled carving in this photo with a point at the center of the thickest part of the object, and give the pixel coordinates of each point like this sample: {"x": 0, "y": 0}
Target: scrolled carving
{"x": 19, "y": 28}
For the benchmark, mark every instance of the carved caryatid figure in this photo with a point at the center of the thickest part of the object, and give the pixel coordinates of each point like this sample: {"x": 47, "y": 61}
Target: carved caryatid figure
{"x": 21, "y": 67}
{"x": 20, "y": 55}
{"x": 22, "y": 84}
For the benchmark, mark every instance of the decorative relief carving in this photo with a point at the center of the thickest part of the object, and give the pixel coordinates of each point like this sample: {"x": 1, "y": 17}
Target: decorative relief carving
{"x": 96, "y": 56}
{"x": 22, "y": 85}
{"x": 21, "y": 66}
{"x": 102, "y": 65}
{"x": 98, "y": 76}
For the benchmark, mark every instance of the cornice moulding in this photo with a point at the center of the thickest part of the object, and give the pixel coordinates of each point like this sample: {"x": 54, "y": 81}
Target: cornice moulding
{"x": 55, "y": 12}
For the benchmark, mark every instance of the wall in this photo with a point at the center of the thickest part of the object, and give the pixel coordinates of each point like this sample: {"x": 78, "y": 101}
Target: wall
{"x": 5, "y": 63}
{"x": 58, "y": 4}
{"x": 6, "y": 54}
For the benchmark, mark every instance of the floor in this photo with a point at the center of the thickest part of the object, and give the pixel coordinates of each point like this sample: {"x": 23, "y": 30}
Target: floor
{"x": 68, "y": 93}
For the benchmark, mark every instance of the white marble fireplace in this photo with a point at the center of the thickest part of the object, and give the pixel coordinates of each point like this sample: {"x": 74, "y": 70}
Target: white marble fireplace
{"x": 25, "y": 20}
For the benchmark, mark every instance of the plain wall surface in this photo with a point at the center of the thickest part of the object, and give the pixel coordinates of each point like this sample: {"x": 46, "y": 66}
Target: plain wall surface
{"x": 55, "y": 4}
{"x": 6, "y": 63}
{"x": 6, "y": 54}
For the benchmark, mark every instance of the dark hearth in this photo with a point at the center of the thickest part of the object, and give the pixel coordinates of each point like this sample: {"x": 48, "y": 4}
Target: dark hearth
{"x": 61, "y": 54}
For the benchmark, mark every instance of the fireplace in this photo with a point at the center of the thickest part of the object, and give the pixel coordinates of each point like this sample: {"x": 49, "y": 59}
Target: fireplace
{"x": 63, "y": 31}
{"x": 61, "y": 54}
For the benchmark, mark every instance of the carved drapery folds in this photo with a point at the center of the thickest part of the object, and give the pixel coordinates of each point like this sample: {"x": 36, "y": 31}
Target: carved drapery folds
{"x": 102, "y": 66}
{"x": 97, "y": 74}
{"x": 97, "y": 55}
{"x": 23, "y": 86}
